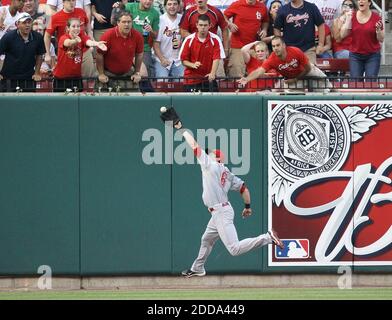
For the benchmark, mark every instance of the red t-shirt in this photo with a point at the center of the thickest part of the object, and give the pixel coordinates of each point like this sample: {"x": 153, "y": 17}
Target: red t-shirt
{"x": 194, "y": 50}
{"x": 327, "y": 33}
{"x": 345, "y": 44}
{"x": 249, "y": 19}
{"x": 253, "y": 64}
{"x": 291, "y": 67}
{"x": 364, "y": 39}
{"x": 188, "y": 3}
{"x": 58, "y": 21}
{"x": 121, "y": 51}
{"x": 69, "y": 63}
{"x": 189, "y": 19}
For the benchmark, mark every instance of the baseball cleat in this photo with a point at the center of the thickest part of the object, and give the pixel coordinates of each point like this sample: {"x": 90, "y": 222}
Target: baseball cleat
{"x": 275, "y": 238}
{"x": 189, "y": 273}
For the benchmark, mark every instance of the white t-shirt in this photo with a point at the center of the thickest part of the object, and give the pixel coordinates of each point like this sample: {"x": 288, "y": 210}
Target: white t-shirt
{"x": 9, "y": 22}
{"x": 329, "y": 9}
{"x": 59, "y": 3}
{"x": 165, "y": 35}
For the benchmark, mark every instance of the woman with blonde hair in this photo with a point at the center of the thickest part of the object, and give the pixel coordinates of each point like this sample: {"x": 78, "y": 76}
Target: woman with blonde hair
{"x": 254, "y": 55}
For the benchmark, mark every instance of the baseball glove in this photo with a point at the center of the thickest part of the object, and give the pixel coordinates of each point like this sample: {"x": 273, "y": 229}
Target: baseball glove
{"x": 169, "y": 114}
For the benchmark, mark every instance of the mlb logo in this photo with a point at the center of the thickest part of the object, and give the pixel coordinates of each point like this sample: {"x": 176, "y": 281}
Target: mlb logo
{"x": 293, "y": 249}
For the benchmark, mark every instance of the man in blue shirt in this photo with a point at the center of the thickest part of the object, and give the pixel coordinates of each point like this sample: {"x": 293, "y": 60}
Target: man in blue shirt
{"x": 298, "y": 19}
{"x": 23, "y": 49}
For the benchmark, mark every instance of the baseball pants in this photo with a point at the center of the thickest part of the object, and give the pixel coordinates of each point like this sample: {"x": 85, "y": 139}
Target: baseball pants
{"x": 221, "y": 226}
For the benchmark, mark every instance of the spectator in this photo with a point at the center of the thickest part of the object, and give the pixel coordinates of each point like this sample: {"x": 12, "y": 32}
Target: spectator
{"x": 8, "y": 16}
{"x": 46, "y": 68}
{"x": 250, "y": 22}
{"x": 53, "y": 6}
{"x": 124, "y": 55}
{"x": 254, "y": 54}
{"x": 68, "y": 70}
{"x": 101, "y": 11}
{"x": 167, "y": 44}
{"x": 290, "y": 62}
{"x": 367, "y": 33}
{"x": 298, "y": 20}
{"x": 329, "y": 9}
{"x": 58, "y": 24}
{"x": 146, "y": 21}
{"x": 188, "y": 24}
{"x": 272, "y": 12}
{"x": 200, "y": 54}
{"x": 341, "y": 46}
{"x": 32, "y": 8}
{"x": 23, "y": 49}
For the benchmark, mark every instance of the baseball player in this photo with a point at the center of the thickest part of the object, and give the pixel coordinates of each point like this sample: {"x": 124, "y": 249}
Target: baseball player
{"x": 217, "y": 181}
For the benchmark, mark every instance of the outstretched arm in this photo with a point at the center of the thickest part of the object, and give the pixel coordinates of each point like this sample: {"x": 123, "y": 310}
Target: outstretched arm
{"x": 188, "y": 137}
{"x": 170, "y": 117}
{"x": 202, "y": 157}
{"x": 253, "y": 75}
{"x": 245, "y": 194}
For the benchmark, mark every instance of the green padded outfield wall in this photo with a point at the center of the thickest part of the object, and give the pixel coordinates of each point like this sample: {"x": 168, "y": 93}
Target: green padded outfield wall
{"x": 140, "y": 218}
{"x": 39, "y": 185}
{"x": 125, "y": 204}
{"x": 76, "y": 194}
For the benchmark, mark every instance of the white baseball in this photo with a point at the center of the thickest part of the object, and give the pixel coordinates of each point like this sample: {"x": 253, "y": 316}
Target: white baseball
{"x": 163, "y": 109}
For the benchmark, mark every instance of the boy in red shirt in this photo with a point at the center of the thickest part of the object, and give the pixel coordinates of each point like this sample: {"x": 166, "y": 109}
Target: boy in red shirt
{"x": 68, "y": 70}
{"x": 200, "y": 54}
{"x": 291, "y": 63}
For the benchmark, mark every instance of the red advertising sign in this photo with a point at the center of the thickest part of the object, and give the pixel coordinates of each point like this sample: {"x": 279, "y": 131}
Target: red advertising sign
{"x": 330, "y": 187}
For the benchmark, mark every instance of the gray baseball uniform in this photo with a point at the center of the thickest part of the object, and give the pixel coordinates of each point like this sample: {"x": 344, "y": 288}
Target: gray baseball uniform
{"x": 217, "y": 181}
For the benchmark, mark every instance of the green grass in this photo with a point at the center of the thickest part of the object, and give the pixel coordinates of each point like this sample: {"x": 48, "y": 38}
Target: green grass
{"x": 206, "y": 294}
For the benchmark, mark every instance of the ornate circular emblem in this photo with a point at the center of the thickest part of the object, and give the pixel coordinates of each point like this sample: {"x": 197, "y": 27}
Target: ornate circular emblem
{"x": 308, "y": 138}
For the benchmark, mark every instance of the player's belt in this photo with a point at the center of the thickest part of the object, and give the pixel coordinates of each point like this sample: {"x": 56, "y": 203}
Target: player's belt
{"x": 224, "y": 204}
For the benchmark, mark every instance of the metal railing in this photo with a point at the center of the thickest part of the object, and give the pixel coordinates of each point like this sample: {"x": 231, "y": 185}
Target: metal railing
{"x": 338, "y": 83}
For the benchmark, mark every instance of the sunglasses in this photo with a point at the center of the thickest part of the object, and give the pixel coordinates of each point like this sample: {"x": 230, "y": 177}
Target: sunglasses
{"x": 348, "y": 6}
